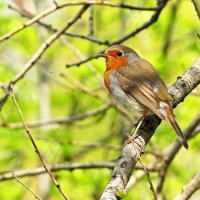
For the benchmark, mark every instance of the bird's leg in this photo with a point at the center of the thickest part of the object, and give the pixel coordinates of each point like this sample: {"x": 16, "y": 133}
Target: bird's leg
{"x": 139, "y": 121}
{"x": 135, "y": 131}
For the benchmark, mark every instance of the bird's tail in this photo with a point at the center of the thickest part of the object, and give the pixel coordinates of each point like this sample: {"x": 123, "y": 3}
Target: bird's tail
{"x": 176, "y": 127}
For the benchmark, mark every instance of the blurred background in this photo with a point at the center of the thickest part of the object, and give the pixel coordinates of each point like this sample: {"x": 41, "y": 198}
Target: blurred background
{"x": 66, "y": 107}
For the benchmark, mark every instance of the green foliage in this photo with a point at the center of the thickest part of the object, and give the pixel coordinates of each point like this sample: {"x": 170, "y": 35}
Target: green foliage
{"x": 44, "y": 94}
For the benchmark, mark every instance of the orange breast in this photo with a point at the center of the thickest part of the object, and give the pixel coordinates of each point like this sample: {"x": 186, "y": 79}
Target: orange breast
{"x": 106, "y": 79}
{"x": 113, "y": 63}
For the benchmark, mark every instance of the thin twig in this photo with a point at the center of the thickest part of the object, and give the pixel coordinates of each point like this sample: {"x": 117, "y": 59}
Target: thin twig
{"x": 35, "y": 146}
{"x": 29, "y": 189}
{"x": 81, "y": 56}
{"x": 45, "y": 46}
{"x": 152, "y": 20}
{"x": 57, "y": 7}
{"x": 145, "y": 169}
{"x": 91, "y": 21}
{"x": 49, "y": 27}
{"x": 172, "y": 152}
{"x": 41, "y": 51}
{"x": 57, "y": 167}
{"x": 83, "y": 144}
{"x": 4, "y": 176}
{"x": 61, "y": 121}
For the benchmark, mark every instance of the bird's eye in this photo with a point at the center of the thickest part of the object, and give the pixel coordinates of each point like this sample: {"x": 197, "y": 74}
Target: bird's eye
{"x": 119, "y": 53}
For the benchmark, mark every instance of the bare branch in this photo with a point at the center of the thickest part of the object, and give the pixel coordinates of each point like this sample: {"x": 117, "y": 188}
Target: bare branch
{"x": 61, "y": 121}
{"x": 29, "y": 189}
{"x": 36, "y": 148}
{"x": 65, "y": 166}
{"x": 49, "y": 27}
{"x": 57, "y": 7}
{"x": 145, "y": 169}
{"x": 46, "y": 45}
{"x": 41, "y": 51}
{"x": 173, "y": 150}
{"x": 190, "y": 188}
{"x": 197, "y": 7}
{"x": 91, "y": 21}
{"x": 152, "y": 20}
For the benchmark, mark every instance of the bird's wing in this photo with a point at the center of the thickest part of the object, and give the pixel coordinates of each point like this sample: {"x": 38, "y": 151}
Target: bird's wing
{"x": 142, "y": 82}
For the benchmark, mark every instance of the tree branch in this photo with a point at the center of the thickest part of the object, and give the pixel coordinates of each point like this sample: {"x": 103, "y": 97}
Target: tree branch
{"x": 197, "y": 7}
{"x": 36, "y": 148}
{"x": 60, "y": 121}
{"x": 65, "y": 166}
{"x": 40, "y": 52}
{"x": 28, "y": 188}
{"x": 173, "y": 150}
{"x": 57, "y": 7}
{"x": 190, "y": 188}
{"x": 144, "y": 26}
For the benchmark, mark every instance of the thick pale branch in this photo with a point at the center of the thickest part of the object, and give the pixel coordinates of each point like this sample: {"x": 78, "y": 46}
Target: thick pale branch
{"x": 128, "y": 159}
{"x": 190, "y": 188}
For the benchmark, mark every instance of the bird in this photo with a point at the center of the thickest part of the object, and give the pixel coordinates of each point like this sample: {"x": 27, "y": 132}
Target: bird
{"x": 135, "y": 84}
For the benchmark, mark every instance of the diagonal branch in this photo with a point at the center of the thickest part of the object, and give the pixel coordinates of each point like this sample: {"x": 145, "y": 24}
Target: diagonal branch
{"x": 173, "y": 149}
{"x": 197, "y": 7}
{"x": 40, "y": 52}
{"x": 46, "y": 45}
{"x": 128, "y": 158}
{"x": 190, "y": 188}
{"x": 36, "y": 148}
{"x": 28, "y": 188}
{"x": 144, "y": 26}
{"x": 60, "y": 6}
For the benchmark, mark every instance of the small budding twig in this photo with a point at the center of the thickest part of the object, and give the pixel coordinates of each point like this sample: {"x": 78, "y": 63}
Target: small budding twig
{"x": 29, "y": 189}
{"x": 91, "y": 21}
{"x": 145, "y": 169}
{"x": 35, "y": 146}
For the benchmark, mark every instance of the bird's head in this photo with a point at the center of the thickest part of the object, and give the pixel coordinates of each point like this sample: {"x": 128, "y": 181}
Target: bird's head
{"x": 119, "y": 56}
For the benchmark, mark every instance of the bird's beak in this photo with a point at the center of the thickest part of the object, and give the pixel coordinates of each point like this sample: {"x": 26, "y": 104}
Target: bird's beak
{"x": 103, "y": 55}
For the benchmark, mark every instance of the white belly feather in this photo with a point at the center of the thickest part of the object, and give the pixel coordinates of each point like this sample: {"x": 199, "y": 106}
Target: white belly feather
{"x": 123, "y": 98}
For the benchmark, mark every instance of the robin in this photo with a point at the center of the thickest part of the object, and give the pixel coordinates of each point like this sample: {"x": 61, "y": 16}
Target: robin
{"x": 134, "y": 83}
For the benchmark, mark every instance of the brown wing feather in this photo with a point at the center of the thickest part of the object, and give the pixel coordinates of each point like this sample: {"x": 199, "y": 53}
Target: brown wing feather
{"x": 142, "y": 82}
